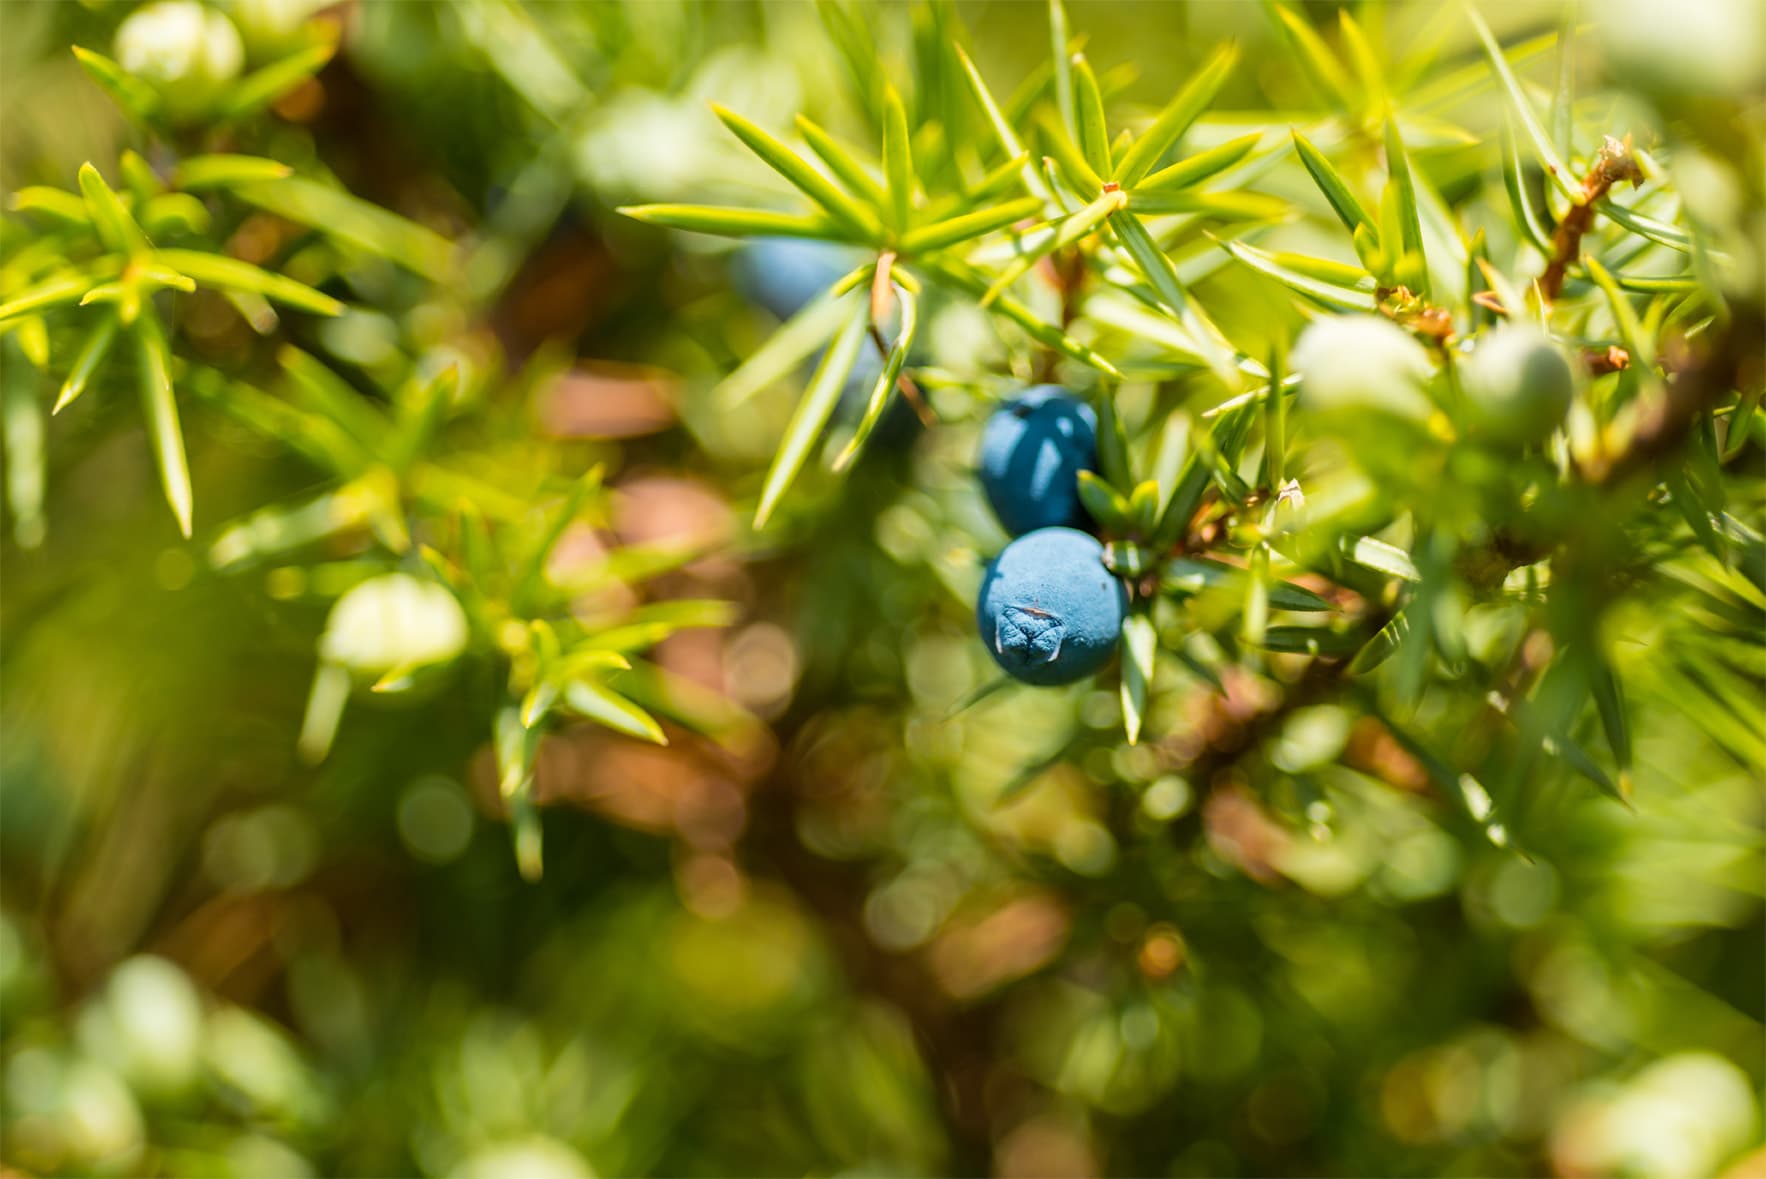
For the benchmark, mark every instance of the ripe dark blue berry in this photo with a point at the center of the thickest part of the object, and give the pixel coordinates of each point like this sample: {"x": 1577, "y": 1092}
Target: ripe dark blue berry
{"x": 1032, "y": 450}
{"x": 1049, "y": 611}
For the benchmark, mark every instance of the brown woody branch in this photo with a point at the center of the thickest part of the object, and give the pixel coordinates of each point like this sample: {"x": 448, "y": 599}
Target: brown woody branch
{"x": 1613, "y": 164}
{"x": 1700, "y": 376}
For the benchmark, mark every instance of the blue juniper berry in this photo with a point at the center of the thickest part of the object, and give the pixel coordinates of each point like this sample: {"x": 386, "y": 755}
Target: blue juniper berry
{"x": 1032, "y": 450}
{"x": 1049, "y": 611}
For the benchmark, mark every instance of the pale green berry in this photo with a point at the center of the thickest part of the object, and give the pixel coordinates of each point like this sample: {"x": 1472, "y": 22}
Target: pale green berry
{"x": 393, "y": 621}
{"x": 273, "y": 28}
{"x": 1517, "y": 385}
{"x": 1354, "y": 363}
{"x": 184, "y": 50}
{"x": 147, "y": 1025}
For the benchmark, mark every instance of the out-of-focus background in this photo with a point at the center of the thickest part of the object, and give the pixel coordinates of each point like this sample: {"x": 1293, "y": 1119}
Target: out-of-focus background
{"x": 818, "y": 944}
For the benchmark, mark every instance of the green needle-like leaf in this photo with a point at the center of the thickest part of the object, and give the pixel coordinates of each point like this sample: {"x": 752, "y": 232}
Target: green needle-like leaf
{"x": 162, "y": 417}
{"x": 224, "y": 171}
{"x": 969, "y": 226}
{"x": 794, "y": 168}
{"x": 1060, "y": 53}
{"x": 139, "y": 177}
{"x": 1469, "y": 792}
{"x": 1563, "y": 97}
{"x": 1194, "y": 169}
{"x": 133, "y": 95}
{"x": 784, "y": 350}
{"x": 218, "y": 270}
{"x": 1140, "y": 645}
{"x": 1368, "y": 70}
{"x": 1349, "y": 210}
{"x": 1317, "y": 61}
{"x": 1219, "y": 206}
{"x": 1548, "y": 156}
{"x": 1609, "y": 701}
{"x": 886, "y": 380}
{"x": 366, "y": 226}
{"x": 605, "y": 706}
{"x": 1002, "y": 127}
{"x": 842, "y": 162}
{"x": 1310, "y": 640}
{"x": 851, "y": 35}
{"x": 533, "y": 572}
{"x": 1631, "y": 332}
{"x": 1520, "y": 204}
{"x": 651, "y": 624}
{"x": 1071, "y": 229}
{"x": 1113, "y": 461}
{"x": 1325, "y": 294}
{"x": 1254, "y": 616}
{"x": 975, "y": 282}
{"x": 116, "y": 229}
{"x": 262, "y": 87}
{"x": 1000, "y": 181}
{"x": 280, "y": 528}
{"x": 1088, "y": 102}
{"x": 92, "y": 354}
{"x": 316, "y": 437}
{"x": 1069, "y": 156}
{"x": 22, "y": 429}
{"x": 1177, "y": 117}
{"x": 538, "y": 702}
{"x": 1188, "y": 576}
{"x": 1159, "y": 271}
{"x": 1659, "y": 232}
{"x": 65, "y": 288}
{"x": 1186, "y": 496}
{"x": 52, "y": 202}
{"x": 814, "y": 410}
{"x": 1382, "y": 646}
{"x": 1275, "y": 424}
{"x": 898, "y": 160}
{"x": 1410, "y": 224}
{"x": 333, "y": 397}
{"x": 1103, "y": 502}
{"x": 1380, "y": 557}
{"x": 738, "y": 222}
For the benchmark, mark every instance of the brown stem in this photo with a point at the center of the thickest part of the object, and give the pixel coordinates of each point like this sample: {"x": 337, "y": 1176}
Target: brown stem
{"x": 882, "y": 303}
{"x": 1067, "y": 273}
{"x": 1659, "y": 420}
{"x": 1613, "y": 164}
{"x": 1600, "y": 361}
{"x": 906, "y": 384}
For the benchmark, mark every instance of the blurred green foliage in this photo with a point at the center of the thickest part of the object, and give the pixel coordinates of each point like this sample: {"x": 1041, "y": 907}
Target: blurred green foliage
{"x": 1420, "y": 830}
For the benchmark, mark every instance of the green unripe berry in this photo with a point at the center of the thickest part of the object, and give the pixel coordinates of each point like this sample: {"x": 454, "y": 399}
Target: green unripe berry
{"x": 273, "y": 28}
{"x": 1356, "y": 363}
{"x": 147, "y": 1024}
{"x": 185, "y": 51}
{"x": 1517, "y": 385}
{"x": 391, "y": 622}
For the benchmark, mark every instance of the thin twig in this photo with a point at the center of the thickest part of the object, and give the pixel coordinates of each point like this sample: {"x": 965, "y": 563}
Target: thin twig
{"x": 882, "y": 303}
{"x": 1613, "y": 164}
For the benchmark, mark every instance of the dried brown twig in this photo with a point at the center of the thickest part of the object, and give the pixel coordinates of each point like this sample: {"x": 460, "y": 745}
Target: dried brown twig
{"x": 1613, "y": 164}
